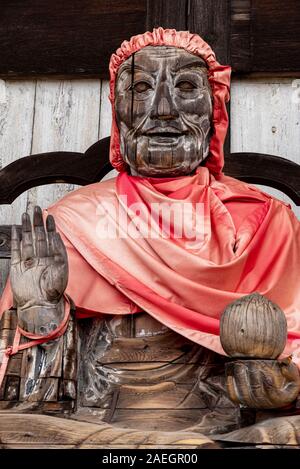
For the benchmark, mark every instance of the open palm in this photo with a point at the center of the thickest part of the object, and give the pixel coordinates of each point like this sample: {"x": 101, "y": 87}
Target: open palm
{"x": 39, "y": 264}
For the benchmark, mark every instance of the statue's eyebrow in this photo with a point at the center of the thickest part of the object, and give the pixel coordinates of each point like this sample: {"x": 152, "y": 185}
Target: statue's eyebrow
{"x": 192, "y": 65}
{"x": 128, "y": 68}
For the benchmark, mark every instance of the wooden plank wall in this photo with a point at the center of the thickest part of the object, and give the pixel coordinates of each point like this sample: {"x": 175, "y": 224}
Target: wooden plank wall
{"x": 37, "y": 116}
{"x": 46, "y": 115}
{"x": 265, "y": 118}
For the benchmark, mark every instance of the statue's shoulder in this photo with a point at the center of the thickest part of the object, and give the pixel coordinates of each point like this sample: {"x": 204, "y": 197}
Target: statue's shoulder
{"x": 87, "y": 194}
{"x": 243, "y": 190}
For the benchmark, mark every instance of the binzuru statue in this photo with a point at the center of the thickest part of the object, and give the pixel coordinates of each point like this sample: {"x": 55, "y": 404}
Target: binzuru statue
{"x": 111, "y": 316}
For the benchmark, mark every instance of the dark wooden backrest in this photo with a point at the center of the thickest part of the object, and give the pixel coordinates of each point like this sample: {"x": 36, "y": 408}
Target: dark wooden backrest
{"x": 93, "y": 165}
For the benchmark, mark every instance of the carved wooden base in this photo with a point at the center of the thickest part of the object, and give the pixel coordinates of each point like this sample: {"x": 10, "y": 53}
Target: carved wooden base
{"x": 141, "y": 384}
{"x": 42, "y": 431}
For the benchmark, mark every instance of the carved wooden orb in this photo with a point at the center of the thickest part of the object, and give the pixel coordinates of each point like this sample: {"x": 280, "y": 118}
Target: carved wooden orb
{"x": 253, "y": 327}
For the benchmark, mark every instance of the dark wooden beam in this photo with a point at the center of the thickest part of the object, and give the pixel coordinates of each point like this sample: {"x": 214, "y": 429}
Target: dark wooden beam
{"x": 265, "y": 36}
{"x": 77, "y": 37}
{"x": 240, "y": 41}
{"x": 70, "y": 37}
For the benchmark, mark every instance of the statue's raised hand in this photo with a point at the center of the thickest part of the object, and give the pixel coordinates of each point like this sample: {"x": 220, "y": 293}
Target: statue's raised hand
{"x": 39, "y": 273}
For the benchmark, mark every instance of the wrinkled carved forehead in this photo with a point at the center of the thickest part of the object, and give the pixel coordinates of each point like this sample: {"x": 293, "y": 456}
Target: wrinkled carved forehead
{"x": 150, "y": 59}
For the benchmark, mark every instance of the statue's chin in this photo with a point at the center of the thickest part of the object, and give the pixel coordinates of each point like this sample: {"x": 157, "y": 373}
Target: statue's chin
{"x": 164, "y": 157}
{"x": 160, "y": 171}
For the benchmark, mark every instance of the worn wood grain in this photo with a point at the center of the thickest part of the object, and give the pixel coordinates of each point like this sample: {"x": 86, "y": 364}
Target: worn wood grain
{"x": 262, "y": 384}
{"x": 9, "y": 322}
{"x": 149, "y": 370}
{"x": 240, "y": 32}
{"x": 253, "y": 327}
{"x": 277, "y": 431}
{"x": 40, "y": 375}
{"x": 105, "y": 111}
{"x": 268, "y": 34}
{"x": 80, "y": 36}
{"x": 205, "y": 420}
{"x": 12, "y": 388}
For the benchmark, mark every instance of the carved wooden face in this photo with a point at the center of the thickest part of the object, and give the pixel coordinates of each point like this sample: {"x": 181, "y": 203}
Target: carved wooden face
{"x": 163, "y": 107}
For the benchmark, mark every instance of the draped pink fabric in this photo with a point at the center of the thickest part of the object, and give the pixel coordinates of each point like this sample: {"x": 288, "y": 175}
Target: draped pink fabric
{"x": 250, "y": 242}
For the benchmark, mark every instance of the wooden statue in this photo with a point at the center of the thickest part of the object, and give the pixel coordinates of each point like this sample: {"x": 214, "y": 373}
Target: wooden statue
{"x": 133, "y": 372}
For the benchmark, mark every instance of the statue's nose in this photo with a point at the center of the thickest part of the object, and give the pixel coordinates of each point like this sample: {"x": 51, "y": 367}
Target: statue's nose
{"x": 164, "y": 107}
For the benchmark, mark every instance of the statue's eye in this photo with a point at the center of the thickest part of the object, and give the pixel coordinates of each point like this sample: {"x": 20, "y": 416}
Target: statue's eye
{"x": 141, "y": 87}
{"x": 185, "y": 85}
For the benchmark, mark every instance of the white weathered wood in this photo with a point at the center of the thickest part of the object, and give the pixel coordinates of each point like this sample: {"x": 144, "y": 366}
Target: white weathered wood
{"x": 265, "y": 118}
{"x": 37, "y": 117}
{"x": 67, "y": 119}
{"x": 105, "y": 111}
{"x": 16, "y": 117}
{"x": 105, "y": 120}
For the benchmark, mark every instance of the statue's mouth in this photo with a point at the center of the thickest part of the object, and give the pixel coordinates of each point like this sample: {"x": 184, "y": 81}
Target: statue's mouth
{"x": 164, "y": 135}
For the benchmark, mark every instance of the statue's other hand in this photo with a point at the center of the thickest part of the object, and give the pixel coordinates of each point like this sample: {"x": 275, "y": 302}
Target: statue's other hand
{"x": 39, "y": 272}
{"x": 262, "y": 384}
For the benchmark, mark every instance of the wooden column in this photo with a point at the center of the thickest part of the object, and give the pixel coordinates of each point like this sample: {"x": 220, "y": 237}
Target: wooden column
{"x": 167, "y": 14}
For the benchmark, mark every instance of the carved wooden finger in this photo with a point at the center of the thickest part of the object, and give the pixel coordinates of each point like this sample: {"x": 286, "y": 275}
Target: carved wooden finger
{"x": 15, "y": 246}
{"x": 41, "y": 249}
{"x": 262, "y": 384}
{"x": 27, "y": 242}
{"x": 51, "y": 230}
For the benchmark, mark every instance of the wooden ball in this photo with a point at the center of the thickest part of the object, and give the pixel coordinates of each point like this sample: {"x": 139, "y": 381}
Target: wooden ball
{"x": 253, "y": 327}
